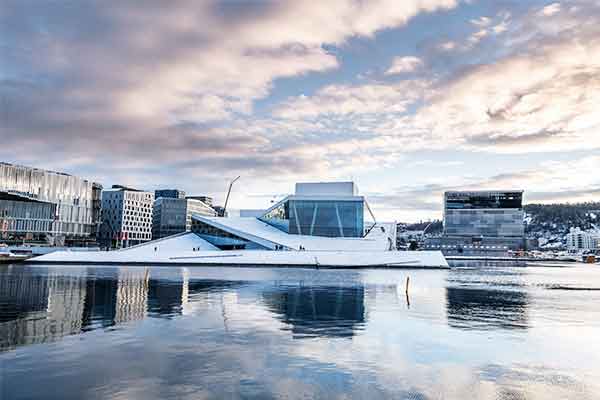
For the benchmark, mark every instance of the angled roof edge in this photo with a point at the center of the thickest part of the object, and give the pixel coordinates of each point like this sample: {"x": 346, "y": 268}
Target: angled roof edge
{"x": 268, "y": 210}
{"x": 18, "y": 196}
{"x": 245, "y": 235}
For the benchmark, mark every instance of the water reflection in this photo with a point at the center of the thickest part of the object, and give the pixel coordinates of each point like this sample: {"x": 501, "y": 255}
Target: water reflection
{"x": 318, "y": 311}
{"x": 43, "y": 308}
{"x": 230, "y": 333}
{"x": 470, "y": 308}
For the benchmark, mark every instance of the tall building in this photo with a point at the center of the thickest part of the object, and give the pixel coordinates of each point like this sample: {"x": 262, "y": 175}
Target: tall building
{"x": 37, "y": 205}
{"x": 489, "y": 222}
{"x": 169, "y": 193}
{"x": 174, "y": 215}
{"x": 578, "y": 240}
{"x": 126, "y": 217}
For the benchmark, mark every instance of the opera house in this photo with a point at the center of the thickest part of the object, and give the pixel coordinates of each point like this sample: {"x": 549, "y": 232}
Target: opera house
{"x": 320, "y": 225}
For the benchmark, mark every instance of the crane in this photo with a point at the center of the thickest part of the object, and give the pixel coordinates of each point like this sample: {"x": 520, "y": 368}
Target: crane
{"x": 228, "y": 193}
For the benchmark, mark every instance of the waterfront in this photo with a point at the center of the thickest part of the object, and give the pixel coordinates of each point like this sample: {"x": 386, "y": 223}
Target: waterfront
{"x": 477, "y": 331}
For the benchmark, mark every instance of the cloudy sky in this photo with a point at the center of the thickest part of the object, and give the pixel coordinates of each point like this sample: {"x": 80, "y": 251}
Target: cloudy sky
{"x": 407, "y": 98}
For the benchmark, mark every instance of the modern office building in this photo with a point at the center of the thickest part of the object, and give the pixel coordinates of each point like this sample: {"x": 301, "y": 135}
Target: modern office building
{"x": 169, "y": 193}
{"x": 126, "y": 217}
{"x": 484, "y": 213}
{"x": 581, "y": 241}
{"x": 48, "y": 207}
{"x": 174, "y": 215}
{"x": 481, "y": 221}
{"x": 205, "y": 199}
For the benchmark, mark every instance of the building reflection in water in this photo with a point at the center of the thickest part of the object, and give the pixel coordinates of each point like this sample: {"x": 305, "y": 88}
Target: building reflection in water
{"x": 486, "y": 308}
{"x": 318, "y": 311}
{"x": 43, "y": 308}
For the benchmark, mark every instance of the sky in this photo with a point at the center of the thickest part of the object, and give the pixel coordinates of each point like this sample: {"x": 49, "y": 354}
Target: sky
{"x": 406, "y": 98}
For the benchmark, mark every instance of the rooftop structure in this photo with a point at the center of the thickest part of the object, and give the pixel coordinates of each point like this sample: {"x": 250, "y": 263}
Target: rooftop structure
{"x": 205, "y": 199}
{"x": 236, "y": 233}
{"x": 332, "y": 209}
{"x": 169, "y": 193}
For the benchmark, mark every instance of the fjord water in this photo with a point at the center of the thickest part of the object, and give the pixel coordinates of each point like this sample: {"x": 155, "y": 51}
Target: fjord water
{"x": 476, "y": 331}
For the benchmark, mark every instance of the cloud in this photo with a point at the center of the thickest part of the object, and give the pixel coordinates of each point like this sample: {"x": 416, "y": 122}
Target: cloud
{"x": 542, "y": 96}
{"x": 159, "y": 95}
{"x": 481, "y": 22}
{"x": 550, "y": 10}
{"x": 546, "y": 95}
{"x": 552, "y": 181}
{"x": 133, "y": 86}
{"x": 348, "y": 100}
{"x": 402, "y": 65}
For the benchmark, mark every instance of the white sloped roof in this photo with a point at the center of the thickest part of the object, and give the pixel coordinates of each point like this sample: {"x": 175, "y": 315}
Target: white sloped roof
{"x": 155, "y": 250}
{"x": 267, "y": 258}
{"x": 255, "y": 230}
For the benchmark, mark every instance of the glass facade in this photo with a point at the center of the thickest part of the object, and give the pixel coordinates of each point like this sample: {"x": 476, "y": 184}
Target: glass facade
{"x": 174, "y": 215}
{"x": 169, "y": 193}
{"x": 222, "y": 239}
{"x": 483, "y": 200}
{"x": 126, "y": 217}
{"x": 331, "y": 218}
{"x": 488, "y": 214}
{"x": 74, "y": 201}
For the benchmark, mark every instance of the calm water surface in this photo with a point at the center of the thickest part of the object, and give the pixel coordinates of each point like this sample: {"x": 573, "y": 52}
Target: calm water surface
{"x": 477, "y": 331}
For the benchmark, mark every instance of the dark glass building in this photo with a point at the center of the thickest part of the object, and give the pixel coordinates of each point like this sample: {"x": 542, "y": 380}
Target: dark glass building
{"x": 171, "y": 216}
{"x": 481, "y": 223}
{"x": 169, "y": 193}
{"x": 484, "y": 213}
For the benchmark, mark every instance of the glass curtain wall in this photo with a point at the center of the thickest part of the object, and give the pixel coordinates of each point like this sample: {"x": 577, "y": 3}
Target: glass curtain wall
{"x": 331, "y": 218}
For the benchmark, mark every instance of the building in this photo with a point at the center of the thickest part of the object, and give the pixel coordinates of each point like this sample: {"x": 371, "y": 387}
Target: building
{"x": 488, "y": 222}
{"x": 582, "y": 241}
{"x": 205, "y": 199}
{"x": 169, "y": 193}
{"x": 332, "y": 209}
{"x": 484, "y": 213}
{"x": 221, "y": 212}
{"x": 174, "y": 215}
{"x": 300, "y": 221}
{"x": 47, "y": 207}
{"x": 126, "y": 217}
{"x": 321, "y": 225}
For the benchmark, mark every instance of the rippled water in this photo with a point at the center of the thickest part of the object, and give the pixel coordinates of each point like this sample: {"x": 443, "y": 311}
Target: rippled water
{"x": 477, "y": 331}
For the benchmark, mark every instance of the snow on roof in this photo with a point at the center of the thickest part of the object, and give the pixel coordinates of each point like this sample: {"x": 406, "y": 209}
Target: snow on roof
{"x": 257, "y": 231}
{"x": 171, "y": 246}
{"x": 330, "y": 259}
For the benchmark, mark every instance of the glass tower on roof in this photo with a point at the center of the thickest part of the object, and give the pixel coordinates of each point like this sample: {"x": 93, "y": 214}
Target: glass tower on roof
{"x": 320, "y": 209}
